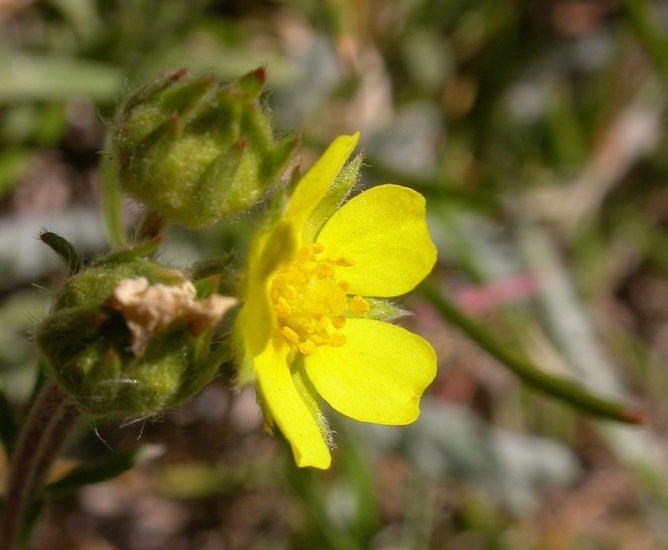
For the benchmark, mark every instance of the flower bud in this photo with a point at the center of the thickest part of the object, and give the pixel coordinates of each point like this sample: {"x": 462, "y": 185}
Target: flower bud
{"x": 196, "y": 150}
{"x": 129, "y": 337}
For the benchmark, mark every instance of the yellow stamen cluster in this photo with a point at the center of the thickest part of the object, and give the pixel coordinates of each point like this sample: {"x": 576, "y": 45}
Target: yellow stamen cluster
{"x": 309, "y": 301}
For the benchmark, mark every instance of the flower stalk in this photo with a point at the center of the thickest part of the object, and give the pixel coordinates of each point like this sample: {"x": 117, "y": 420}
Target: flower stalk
{"x": 49, "y": 422}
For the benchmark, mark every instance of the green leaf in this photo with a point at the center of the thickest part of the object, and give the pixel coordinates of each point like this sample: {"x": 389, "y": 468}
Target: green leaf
{"x": 67, "y": 253}
{"x": 100, "y": 470}
{"x": 560, "y": 388}
{"x": 50, "y": 77}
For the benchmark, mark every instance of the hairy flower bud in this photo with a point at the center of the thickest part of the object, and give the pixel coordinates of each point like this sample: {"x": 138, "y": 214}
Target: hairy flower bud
{"x": 129, "y": 337}
{"x": 196, "y": 150}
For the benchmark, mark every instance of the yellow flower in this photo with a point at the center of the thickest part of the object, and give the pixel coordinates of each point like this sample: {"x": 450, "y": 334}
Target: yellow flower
{"x": 307, "y": 327}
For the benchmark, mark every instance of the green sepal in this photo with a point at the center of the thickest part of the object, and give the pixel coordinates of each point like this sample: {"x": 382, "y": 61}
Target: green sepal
{"x": 221, "y": 266}
{"x": 92, "y": 360}
{"x": 196, "y": 378}
{"x": 252, "y": 83}
{"x": 186, "y": 97}
{"x": 206, "y": 287}
{"x": 151, "y": 91}
{"x": 333, "y": 199}
{"x": 379, "y": 310}
{"x": 130, "y": 253}
{"x": 234, "y": 166}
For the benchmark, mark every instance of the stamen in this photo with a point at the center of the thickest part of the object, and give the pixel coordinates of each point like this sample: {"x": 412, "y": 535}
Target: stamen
{"x": 309, "y": 300}
{"x": 307, "y": 347}
{"x": 358, "y": 305}
{"x": 282, "y": 307}
{"x": 339, "y": 321}
{"x": 342, "y": 262}
{"x": 305, "y": 253}
{"x": 336, "y": 340}
{"x": 290, "y": 335}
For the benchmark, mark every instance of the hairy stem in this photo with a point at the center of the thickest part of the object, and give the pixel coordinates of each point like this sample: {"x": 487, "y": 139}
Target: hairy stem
{"x": 44, "y": 432}
{"x": 151, "y": 226}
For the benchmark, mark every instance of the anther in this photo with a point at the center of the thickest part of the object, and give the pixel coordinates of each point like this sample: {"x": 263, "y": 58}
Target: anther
{"x": 336, "y": 340}
{"x": 342, "y": 261}
{"x": 309, "y": 300}
{"x": 358, "y": 305}
{"x": 290, "y": 335}
{"x": 338, "y": 321}
{"x": 305, "y": 253}
{"x": 307, "y": 347}
{"x": 326, "y": 271}
{"x": 283, "y": 309}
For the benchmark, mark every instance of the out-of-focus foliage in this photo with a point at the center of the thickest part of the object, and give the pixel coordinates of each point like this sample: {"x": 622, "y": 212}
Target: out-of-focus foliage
{"x": 537, "y": 132}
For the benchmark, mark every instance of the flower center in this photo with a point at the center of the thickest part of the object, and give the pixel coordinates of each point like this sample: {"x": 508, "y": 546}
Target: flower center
{"x": 309, "y": 301}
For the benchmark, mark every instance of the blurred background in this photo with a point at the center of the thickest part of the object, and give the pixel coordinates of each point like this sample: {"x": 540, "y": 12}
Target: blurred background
{"x": 537, "y": 132}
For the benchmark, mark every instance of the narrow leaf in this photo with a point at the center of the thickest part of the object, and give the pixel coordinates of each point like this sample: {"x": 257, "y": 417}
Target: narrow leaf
{"x": 51, "y": 77}
{"x": 129, "y": 253}
{"x": 67, "y": 253}
{"x": 557, "y": 387}
{"x": 30, "y": 518}
{"x": 100, "y": 470}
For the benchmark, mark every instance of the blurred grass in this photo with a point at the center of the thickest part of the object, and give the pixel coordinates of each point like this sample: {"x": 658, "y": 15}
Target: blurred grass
{"x": 536, "y": 130}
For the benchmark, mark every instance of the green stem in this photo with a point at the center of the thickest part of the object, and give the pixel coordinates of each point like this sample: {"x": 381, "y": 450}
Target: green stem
{"x": 554, "y": 386}
{"x": 111, "y": 198}
{"x": 49, "y": 421}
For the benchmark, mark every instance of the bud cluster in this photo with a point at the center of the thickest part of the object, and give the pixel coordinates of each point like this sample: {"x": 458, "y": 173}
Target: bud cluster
{"x": 129, "y": 337}
{"x": 196, "y": 150}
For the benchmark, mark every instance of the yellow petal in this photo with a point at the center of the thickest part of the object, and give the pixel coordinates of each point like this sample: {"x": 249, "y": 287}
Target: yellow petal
{"x": 384, "y": 231}
{"x": 288, "y": 408}
{"x": 256, "y": 320}
{"x": 377, "y": 376}
{"x": 317, "y": 180}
